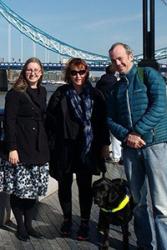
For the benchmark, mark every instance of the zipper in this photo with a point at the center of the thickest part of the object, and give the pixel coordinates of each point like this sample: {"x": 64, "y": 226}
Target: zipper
{"x": 128, "y": 103}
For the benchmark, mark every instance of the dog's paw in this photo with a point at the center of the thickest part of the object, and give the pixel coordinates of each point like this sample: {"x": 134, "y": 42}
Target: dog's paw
{"x": 103, "y": 241}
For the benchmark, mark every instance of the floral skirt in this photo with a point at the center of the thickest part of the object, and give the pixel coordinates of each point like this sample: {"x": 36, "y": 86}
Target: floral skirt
{"x": 27, "y": 182}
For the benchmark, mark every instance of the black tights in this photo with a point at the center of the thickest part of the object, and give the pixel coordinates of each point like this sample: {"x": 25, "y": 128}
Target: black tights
{"x": 23, "y": 212}
{"x": 84, "y": 182}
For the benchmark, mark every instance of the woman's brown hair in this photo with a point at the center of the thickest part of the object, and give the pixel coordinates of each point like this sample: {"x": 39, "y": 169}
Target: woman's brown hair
{"x": 21, "y": 83}
{"x": 78, "y": 62}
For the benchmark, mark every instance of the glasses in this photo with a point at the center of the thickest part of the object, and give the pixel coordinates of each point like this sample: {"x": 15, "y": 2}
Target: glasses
{"x": 80, "y": 72}
{"x": 36, "y": 71}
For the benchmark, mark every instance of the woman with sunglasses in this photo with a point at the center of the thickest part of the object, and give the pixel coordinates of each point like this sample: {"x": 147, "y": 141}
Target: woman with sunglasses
{"x": 26, "y": 167}
{"x": 78, "y": 140}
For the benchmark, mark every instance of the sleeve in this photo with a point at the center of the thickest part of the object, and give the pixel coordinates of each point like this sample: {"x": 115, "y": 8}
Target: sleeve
{"x": 156, "y": 91}
{"x": 52, "y": 114}
{"x": 11, "y": 112}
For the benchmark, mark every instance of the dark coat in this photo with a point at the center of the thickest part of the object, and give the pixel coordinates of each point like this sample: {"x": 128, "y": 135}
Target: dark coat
{"x": 63, "y": 129}
{"x": 24, "y": 125}
{"x": 106, "y": 84}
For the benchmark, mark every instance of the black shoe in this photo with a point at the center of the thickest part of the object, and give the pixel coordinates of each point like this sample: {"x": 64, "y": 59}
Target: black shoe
{"x": 23, "y": 236}
{"x": 32, "y": 232}
{"x": 83, "y": 232}
{"x": 66, "y": 228}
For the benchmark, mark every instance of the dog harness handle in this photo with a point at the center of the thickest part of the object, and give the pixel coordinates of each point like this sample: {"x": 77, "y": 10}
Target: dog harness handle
{"x": 121, "y": 205}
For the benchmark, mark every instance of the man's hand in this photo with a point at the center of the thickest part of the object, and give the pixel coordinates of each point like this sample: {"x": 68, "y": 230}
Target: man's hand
{"x": 134, "y": 140}
{"x": 13, "y": 157}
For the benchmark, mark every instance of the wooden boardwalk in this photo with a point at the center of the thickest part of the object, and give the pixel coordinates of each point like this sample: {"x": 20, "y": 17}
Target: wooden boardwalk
{"x": 48, "y": 219}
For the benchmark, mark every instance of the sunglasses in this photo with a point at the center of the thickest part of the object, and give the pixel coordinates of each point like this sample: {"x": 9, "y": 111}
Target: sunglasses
{"x": 80, "y": 72}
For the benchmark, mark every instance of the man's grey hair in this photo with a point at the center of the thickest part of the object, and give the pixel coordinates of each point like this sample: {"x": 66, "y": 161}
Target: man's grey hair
{"x": 125, "y": 46}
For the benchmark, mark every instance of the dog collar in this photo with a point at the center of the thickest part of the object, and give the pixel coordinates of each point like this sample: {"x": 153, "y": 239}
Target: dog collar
{"x": 121, "y": 205}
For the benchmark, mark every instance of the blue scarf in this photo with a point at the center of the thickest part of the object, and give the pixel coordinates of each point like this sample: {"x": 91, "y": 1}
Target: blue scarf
{"x": 82, "y": 106}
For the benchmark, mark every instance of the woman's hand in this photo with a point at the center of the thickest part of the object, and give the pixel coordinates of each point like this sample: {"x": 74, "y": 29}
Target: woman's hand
{"x": 13, "y": 157}
{"x": 105, "y": 153}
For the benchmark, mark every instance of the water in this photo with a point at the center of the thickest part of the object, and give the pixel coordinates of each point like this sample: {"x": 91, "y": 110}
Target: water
{"x": 2, "y": 99}
{"x": 49, "y": 87}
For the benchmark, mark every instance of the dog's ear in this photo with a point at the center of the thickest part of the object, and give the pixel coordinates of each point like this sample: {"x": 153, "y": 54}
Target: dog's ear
{"x": 120, "y": 185}
{"x": 113, "y": 196}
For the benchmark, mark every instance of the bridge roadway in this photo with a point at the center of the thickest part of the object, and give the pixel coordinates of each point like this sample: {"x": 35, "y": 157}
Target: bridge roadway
{"x": 94, "y": 66}
{"x": 48, "y": 218}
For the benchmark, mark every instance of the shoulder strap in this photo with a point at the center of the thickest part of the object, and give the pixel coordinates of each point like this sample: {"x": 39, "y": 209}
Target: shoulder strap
{"x": 140, "y": 71}
{"x": 144, "y": 79}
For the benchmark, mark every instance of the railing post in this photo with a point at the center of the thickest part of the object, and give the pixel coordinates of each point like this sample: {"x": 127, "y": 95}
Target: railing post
{"x": 3, "y": 80}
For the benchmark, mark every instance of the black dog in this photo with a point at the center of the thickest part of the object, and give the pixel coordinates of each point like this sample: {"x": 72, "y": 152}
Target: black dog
{"x": 116, "y": 205}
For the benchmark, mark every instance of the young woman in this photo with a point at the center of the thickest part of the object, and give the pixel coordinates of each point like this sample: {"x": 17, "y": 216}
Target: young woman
{"x": 78, "y": 139}
{"x": 26, "y": 167}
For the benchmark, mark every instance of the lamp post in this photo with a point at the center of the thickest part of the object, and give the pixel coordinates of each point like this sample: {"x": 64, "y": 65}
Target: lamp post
{"x": 149, "y": 35}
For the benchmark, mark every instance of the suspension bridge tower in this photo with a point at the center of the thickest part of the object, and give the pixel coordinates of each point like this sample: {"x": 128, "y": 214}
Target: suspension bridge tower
{"x": 149, "y": 35}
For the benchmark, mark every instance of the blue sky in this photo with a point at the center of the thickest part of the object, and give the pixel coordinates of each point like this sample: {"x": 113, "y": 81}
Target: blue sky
{"x": 92, "y": 25}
